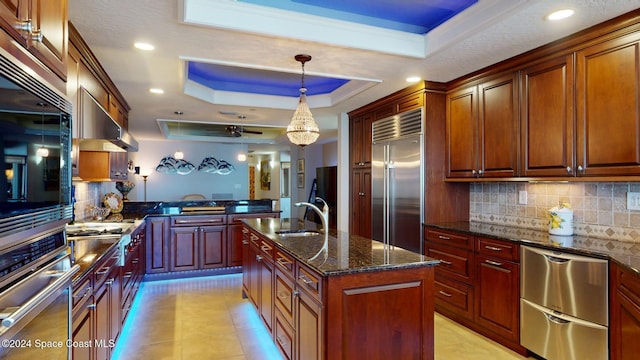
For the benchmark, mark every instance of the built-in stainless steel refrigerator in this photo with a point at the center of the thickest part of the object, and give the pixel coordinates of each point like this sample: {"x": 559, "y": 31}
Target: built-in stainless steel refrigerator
{"x": 397, "y": 180}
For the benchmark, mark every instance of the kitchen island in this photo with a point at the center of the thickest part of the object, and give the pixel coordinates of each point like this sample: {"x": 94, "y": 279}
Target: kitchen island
{"x": 337, "y": 296}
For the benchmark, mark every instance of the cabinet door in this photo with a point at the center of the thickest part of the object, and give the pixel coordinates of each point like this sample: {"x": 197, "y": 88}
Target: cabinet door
{"x": 50, "y": 32}
{"x": 115, "y": 305}
{"x": 547, "y": 118}
{"x": 308, "y": 325}
{"x": 624, "y": 323}
{"x": 102, "y": 319}
{"x": 607, "y": 98}
{"x": 254, "y": 274}
{"x": 11, "y": 15}
{"x": 361, "y": 203}
{"x": 235, "y": 247}
{"x": 184, "y": 247}
{"x": 462, "y": 129}
{"x": 212, "y": 247}
{"x": 157, "y": 245}
{"x": 246, "y": 263}
{"x": 266, "y": 304}
{"x": 498, "y": 296}
{"x": 499, "y": 124}
{"x": 361, "y": 140}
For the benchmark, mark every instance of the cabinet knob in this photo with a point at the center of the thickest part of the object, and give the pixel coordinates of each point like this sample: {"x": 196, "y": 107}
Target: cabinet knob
{"x": 259, "y": 257}
{"x": 479, "y": 172}
{"x": 473, "y": 172}
{"x": 568, "y": 169}
{"x": 580, "y": 168}
{"x": 36, "y": 35}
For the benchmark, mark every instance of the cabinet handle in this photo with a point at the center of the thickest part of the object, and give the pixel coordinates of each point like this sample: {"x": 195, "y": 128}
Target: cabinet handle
{"x": 446, "y": 262}
{"x": 283, "y": 262}
{"x": 494, "y": 263}
{"x": 310, "y": 283}
{"x": 473, "y": 172}
{"x": 25, "y": 26}
{"x": 265, "y": 248}
{"x": 296, "y": 293}
{"x": 580, "y": 168}
{"x": 492, "y": 248}
{"x": 444, "y": 293}
{"x": 442, "y": 237}
{"x": 479, "y": 172}
{"x": 281, "y": 342}
{"x": 135, "y": 261}
{"x": 245, "y": 231}
{"x": 36, "y": 35}
{"x": 128, "y": 274}
{"x": 91, "y": 306}
{"x": 110, "y": 282}
{"x": 259, "y": 257}
{"x": 103, "y": 271}
{"x": 245, "y": 242}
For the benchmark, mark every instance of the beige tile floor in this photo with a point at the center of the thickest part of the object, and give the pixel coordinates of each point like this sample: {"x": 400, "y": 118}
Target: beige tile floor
{"x": 206, "y": 318}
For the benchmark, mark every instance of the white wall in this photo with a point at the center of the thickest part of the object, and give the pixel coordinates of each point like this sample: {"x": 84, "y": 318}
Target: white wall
{"x": 171, "y": 187}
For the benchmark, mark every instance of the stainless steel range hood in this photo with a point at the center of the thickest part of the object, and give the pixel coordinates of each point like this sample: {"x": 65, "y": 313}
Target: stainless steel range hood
{"x": 98, "y": 131}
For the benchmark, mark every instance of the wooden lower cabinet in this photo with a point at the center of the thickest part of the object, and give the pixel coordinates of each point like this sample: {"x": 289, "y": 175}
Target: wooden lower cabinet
{"x": 157, "y": 247}
{"x": 197, "y": 242}
{"x": 624, "y": 326}
{"x": 386, "y": 315}
{"x": 234, "y": 235}
{"x": 478, "y": 283}
{"x": 83, "y": 318}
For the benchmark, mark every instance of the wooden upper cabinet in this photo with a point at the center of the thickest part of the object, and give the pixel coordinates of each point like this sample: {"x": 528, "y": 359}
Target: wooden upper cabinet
{"x": 482, "y": 129}
{"x": 608, "y": 114}
{"x": 361, "y": 141}
{"x": 50, "y": 33}
{"x": 40, "y": 27}
{"x": 462, "y": 123}
{"x": 499, "y": 124}
{"x": 547, "y": 118}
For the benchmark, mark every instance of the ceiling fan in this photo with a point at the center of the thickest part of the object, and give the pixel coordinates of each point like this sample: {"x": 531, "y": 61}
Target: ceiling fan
{"x": 237, "y": 131}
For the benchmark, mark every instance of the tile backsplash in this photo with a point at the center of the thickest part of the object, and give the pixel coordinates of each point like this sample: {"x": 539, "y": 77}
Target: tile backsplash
{"x": 599, "y": 209}
{"x": 88, "y": 195}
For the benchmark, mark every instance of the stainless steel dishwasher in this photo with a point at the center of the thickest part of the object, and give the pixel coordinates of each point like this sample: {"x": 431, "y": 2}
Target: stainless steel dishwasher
{"x": 564, "y": 308}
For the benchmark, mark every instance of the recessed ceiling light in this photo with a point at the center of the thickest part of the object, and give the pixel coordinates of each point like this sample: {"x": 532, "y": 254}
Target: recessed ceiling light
{"x": 144, "y": 46}
{"x": 156, "y": 91}
{"x": 560, "y": 14}
{"x": 413, "y": 79}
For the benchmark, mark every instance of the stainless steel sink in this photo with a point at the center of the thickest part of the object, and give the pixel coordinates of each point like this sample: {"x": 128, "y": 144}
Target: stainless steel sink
{"x": 297, "y": 233}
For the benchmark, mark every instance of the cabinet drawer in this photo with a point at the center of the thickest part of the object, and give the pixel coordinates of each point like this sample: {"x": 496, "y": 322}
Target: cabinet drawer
{"x": 81, "y": 291}
{"x": 499, "y": 249}
{"x": 195, "y": 220}
{"x": 454, "y": 296}
{"x": 283, "y": 335}
{"x": 453, "y": 261}
{"x": 101, "y": 272}
{"x": 449, "y": 238}
{"x": 266, "y": 248}
{"x": 284, "y": 295}
{"x": 310, "y": 281}
{"x": 284, "y": 262}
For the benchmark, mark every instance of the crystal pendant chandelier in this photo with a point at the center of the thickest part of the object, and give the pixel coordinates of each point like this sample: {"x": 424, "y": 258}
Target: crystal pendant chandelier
{"x": 302, "y": 129}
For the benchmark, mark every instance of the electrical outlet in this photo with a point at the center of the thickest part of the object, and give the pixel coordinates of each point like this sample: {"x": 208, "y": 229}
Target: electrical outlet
{"x": 633, "y": 200}
{"x": 522, "y": 197}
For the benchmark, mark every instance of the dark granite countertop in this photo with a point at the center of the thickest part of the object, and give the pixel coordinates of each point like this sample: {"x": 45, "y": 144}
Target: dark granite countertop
{"x": 342, "y": 253}
{"x": 625, "y": 254}
{"x": 96, "y": 251}
{"x": 138, "y": 210}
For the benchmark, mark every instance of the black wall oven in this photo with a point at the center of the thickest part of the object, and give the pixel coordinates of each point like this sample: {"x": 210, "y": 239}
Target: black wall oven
{"x": 35, "y": 204}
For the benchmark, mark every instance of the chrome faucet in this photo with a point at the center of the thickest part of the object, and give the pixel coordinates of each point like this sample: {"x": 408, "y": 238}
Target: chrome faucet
{"x": 324, "y": 213}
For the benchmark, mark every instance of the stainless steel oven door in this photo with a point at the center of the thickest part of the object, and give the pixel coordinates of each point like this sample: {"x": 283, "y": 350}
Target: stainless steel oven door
{"x": 36, "y": 314}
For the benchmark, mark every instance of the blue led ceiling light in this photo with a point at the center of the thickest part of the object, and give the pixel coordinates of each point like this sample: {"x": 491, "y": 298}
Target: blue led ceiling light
{"x": 256, "y": 81}
{"x": 413, "y": 16}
